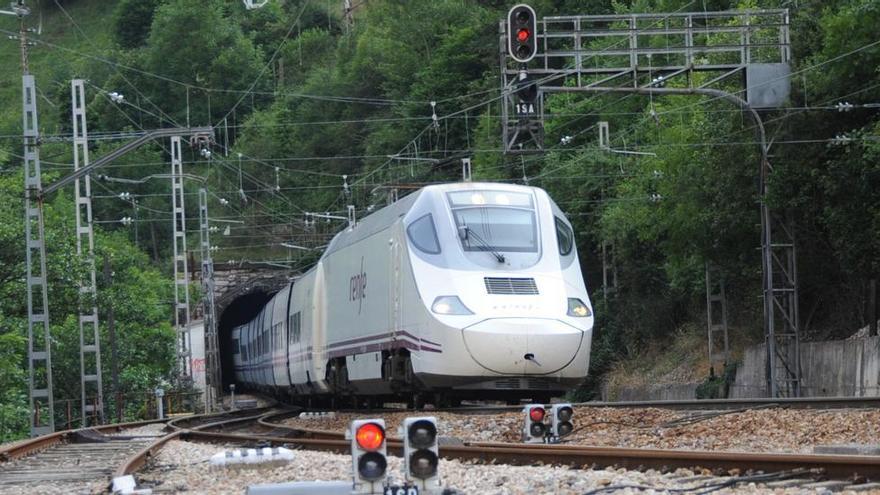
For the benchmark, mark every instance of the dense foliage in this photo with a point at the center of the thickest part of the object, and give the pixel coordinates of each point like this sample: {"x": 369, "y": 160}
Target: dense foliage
{"x": 319, "y": 112}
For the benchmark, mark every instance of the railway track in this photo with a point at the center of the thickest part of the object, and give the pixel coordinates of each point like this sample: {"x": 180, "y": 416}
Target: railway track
{"x": 693, "y": 404}
{"x": 91, "y": 455}
{"x": 839, "y": 467}
{"x": 80, "y": 456}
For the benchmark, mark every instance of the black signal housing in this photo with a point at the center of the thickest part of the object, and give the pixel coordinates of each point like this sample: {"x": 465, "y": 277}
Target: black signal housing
{"x": 522, "y": 30}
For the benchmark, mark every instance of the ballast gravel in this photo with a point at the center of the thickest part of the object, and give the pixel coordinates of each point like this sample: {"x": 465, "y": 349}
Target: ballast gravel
{"x": 150, "y": 430}
{"x": 755, "y": 430}
{"x": 182, "y": 467}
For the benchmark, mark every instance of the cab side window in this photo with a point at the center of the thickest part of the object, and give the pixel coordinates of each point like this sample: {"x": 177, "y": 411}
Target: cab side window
{"x": 423, "y": 235}
{"x": 564, "y": 237}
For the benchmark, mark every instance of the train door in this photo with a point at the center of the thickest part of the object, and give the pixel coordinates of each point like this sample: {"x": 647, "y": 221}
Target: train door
{"x": 394, "y": 285}
{"x": 268, "y": 344}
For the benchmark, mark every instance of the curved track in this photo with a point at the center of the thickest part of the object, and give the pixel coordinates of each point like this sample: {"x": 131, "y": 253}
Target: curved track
{"x": 74, "y": 456}
{"x": 90, "y": 455}
{"x": 833, "y": 466}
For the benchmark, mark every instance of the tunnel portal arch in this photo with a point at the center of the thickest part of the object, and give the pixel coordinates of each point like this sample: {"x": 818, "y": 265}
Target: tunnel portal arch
{"x": 239, "y": 301}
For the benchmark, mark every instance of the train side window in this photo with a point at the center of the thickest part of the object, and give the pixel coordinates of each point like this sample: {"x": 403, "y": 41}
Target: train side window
{"x": 564, "y": 236}
{"x": 235, "y": 349}
{"x": 278, "y": 342}
{"x": 296, "y": 326}
{"x": 423, "y": 235}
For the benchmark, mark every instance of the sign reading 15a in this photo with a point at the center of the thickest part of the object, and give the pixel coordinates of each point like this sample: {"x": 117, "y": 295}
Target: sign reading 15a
{"x": 524, "y": 108}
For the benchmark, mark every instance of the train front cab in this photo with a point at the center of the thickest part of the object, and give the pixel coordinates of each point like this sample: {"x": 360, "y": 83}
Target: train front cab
{"x": 500, "y": 287}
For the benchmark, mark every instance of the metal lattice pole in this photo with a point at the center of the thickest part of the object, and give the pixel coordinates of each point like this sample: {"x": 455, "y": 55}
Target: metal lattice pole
{"x": 39, "y": 343}
{"x": 89, "y": 335}
{"x": 781, "y": 320}
{"x": 42, "y": 405}
{"x": 212, "y": 356}
{"x": 181, "y": 274}
{"x": 716, "y": 317}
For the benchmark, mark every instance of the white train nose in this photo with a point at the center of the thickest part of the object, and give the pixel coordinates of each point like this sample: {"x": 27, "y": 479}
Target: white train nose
{"x": 522, "y": 346}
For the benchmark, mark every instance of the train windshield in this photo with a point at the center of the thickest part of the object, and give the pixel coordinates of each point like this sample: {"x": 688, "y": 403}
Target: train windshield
{"x": 495, "y": 221}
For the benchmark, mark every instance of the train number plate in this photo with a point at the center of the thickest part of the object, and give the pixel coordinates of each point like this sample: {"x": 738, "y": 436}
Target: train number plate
{"x": 401, "y": 490}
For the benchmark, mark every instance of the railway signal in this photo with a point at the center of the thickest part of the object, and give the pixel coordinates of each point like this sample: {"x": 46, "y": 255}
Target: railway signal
{"x": 560, "y": 420}
{"x": 534, "y": 429}
{"x": 522, "y": 29}
{"x": 527, "y": 94}
{"x": 368, "y": 450}
{"x": 421, "y": 453}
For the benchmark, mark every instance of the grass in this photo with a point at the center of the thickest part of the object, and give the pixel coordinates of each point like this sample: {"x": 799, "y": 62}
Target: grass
{"x": 681, "y": 359}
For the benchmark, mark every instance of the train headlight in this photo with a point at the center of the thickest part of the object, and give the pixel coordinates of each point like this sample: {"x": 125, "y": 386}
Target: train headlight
{"x": 450, "y": 305}
{"x": 577, "y": 308}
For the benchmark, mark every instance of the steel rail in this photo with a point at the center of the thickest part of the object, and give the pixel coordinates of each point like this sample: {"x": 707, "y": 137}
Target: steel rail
{"x": 141, "y": 457}
{"x": 838, "y": 466}
{"x": 688, "y": 404}
{"x": 218, "y": 420}
{"x": 704, "y": 404}
{"x": 835, "y": 402}
{"x": 27, "y": 447}
{"x": 721, "y": 404}
{"x": 842, "y": 467}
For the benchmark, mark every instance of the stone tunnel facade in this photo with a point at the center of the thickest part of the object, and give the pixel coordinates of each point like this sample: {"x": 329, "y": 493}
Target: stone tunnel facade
{"x": 234, "y": 281}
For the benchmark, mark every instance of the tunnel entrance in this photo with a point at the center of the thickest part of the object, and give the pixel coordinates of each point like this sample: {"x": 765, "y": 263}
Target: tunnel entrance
{"x": 240, "y": 311}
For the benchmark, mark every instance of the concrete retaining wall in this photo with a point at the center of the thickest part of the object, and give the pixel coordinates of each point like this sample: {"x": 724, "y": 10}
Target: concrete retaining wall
{"x": 832, "y": 368}
{"x": 668, "y": 391}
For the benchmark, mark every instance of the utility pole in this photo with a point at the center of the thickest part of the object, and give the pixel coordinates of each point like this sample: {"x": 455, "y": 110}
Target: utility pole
{"x": 42, "y": 403}
{"x": 89, "y": 334}
{"x": 111, "y": 334}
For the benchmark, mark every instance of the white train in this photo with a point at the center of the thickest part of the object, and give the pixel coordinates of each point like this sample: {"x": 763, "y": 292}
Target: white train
{"x": 458, "y": 291}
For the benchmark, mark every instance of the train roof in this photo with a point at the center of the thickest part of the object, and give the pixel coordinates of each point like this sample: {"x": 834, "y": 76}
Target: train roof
{"x": 373, "y": 223}
{"x": 384, "y": 217}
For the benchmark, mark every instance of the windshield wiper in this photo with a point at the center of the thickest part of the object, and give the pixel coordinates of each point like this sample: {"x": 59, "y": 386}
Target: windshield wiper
{"x": 468, "y": 232}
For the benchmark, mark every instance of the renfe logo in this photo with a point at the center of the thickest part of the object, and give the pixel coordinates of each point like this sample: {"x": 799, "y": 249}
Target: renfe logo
{"x": 357, "y": 288}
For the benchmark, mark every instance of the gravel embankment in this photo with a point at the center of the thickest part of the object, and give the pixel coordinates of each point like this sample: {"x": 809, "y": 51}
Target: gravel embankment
{"x": 758, "y": 430}
{"x": 182, "y": 467}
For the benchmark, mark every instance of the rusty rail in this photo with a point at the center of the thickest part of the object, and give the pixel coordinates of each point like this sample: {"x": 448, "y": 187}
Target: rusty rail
{"x": 138, "y": 460}
{"x": 35, "y": 444}
{"x": 833, "y": 466}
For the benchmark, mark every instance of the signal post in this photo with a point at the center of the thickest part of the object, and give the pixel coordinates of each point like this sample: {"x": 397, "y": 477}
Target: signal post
{"x": 760, "y": 57}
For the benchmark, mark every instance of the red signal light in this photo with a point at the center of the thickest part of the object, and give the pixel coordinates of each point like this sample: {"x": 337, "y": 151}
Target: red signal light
{"x": 523, "y": 35}
{"x": 371, "y": 436}
{"x": 536, "y": 414}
